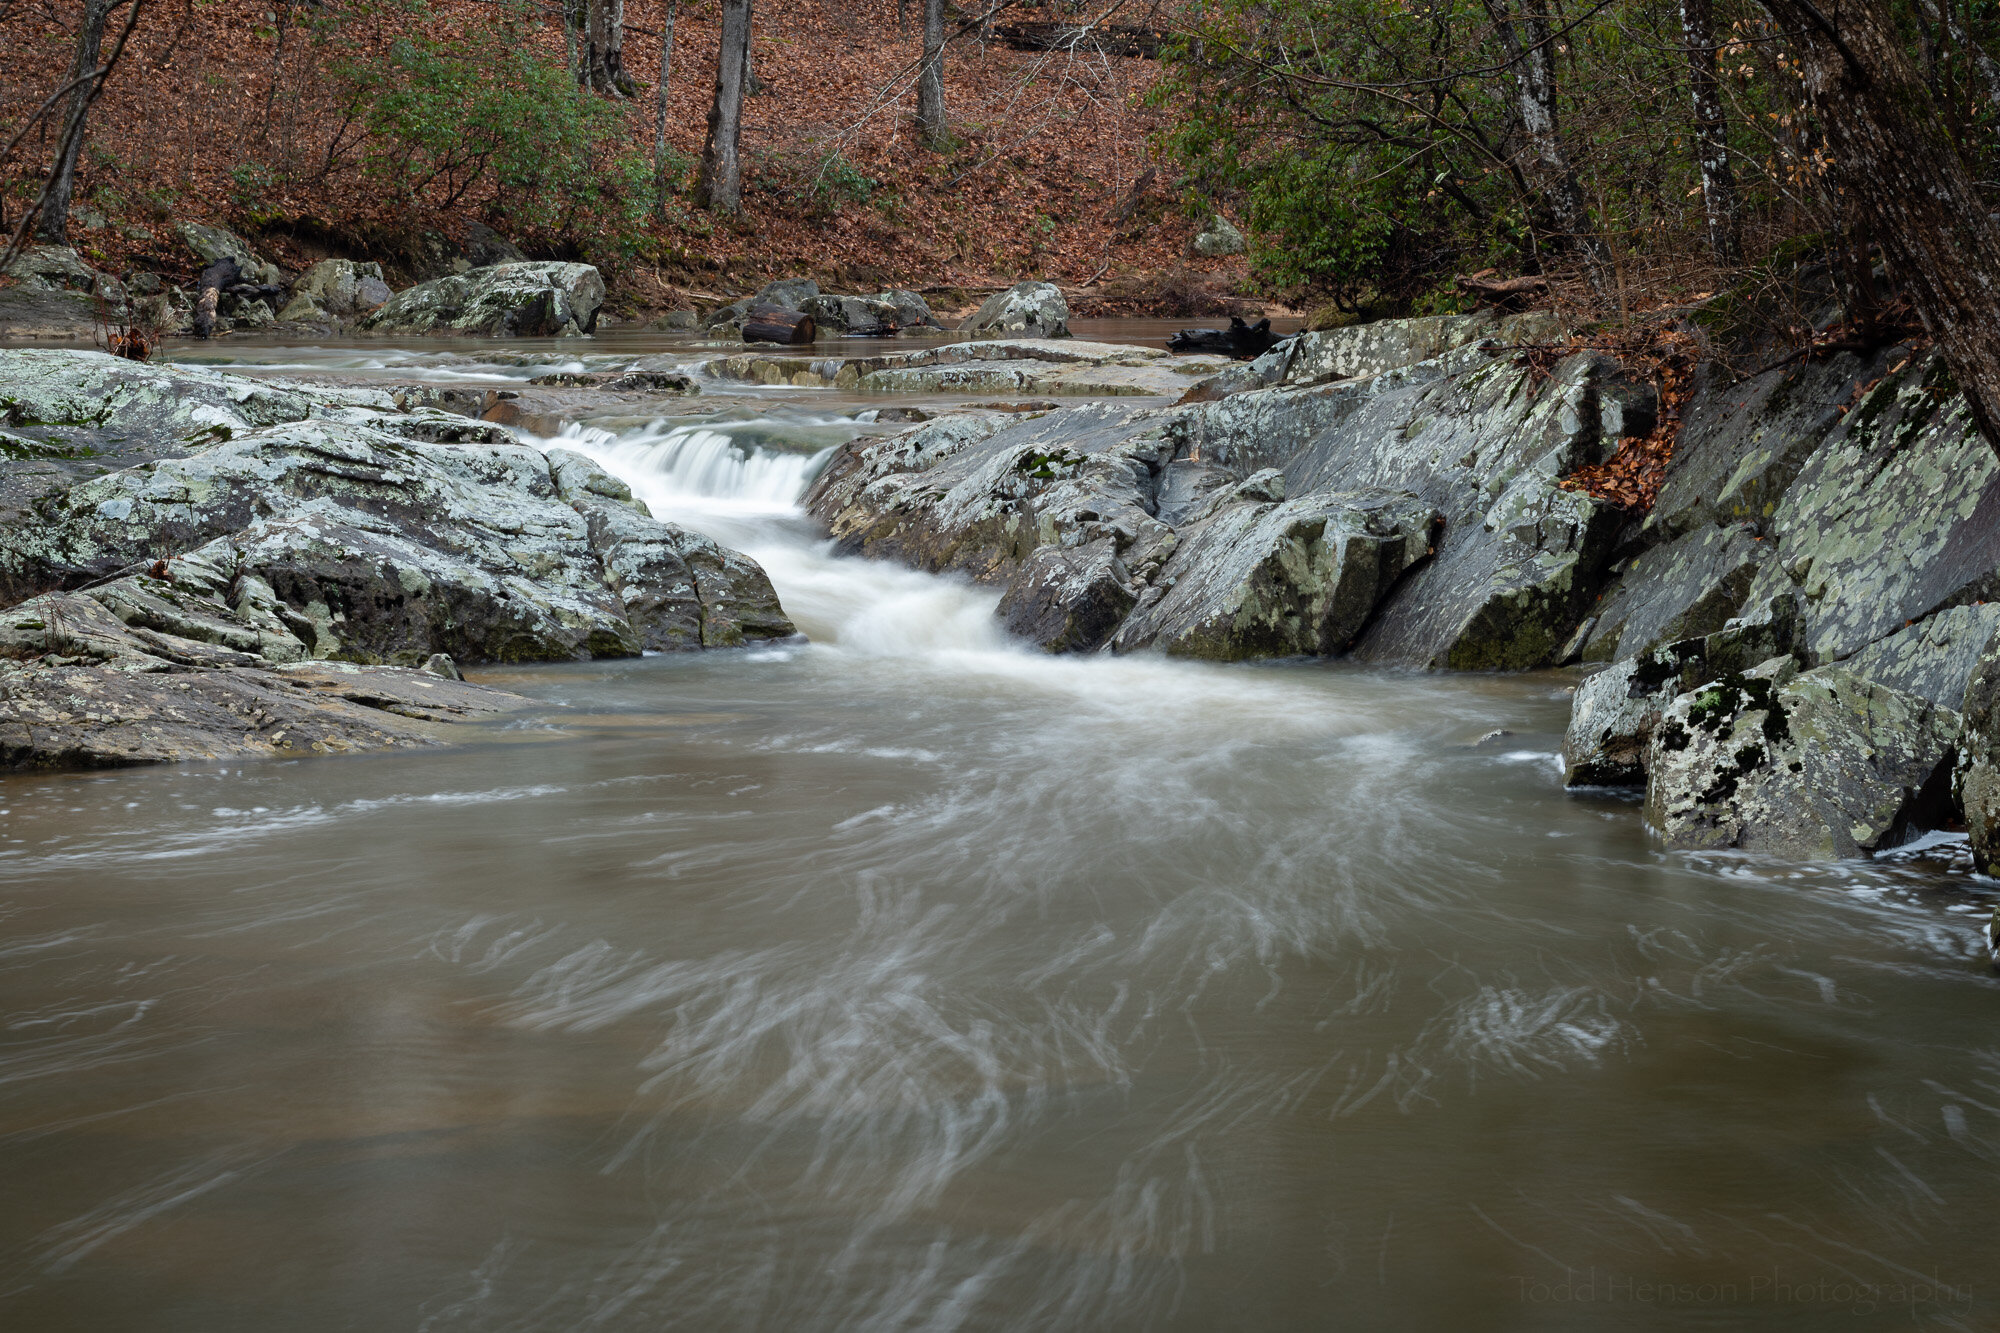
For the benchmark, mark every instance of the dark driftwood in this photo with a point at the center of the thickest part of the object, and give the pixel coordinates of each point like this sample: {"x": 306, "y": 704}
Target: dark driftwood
{"x": 1508, "y": 293}
{"x": 1240, "y": 340}
{"x": 778, "y": 326}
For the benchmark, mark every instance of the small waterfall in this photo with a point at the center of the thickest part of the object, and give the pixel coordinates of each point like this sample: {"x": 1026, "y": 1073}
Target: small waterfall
{"x": 690, "y": 470}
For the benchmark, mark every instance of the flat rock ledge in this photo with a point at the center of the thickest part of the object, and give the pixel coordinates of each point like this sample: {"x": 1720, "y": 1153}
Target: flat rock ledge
{"x": 79, "y": 688}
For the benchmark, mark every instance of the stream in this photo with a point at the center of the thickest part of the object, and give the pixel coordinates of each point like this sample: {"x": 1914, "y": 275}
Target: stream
{"x": 907, "y": 979}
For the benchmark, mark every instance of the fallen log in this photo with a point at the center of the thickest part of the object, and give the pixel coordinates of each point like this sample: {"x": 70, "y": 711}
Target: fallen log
{"x": 1506, "y": 293}
{"x": 771, "y": 324}
{"x": 1245, "y": 342}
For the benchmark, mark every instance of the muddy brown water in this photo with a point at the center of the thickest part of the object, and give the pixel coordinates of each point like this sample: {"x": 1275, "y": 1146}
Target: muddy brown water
{"x": 909, "y": 980}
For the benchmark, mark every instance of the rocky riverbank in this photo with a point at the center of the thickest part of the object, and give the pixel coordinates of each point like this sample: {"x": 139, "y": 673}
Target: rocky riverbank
{"x": 1792, "y": 650}
{"x": 183, "y": 553}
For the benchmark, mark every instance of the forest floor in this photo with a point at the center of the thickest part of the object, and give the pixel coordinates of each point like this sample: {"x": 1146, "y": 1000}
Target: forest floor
{"x": 231, "y": 113}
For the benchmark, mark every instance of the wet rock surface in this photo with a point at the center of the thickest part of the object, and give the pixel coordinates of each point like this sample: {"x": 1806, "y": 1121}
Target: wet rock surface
{"x": 1025, "y": 310}
{"x": 1822, "y": 766}
{"x": 268, "y": 526}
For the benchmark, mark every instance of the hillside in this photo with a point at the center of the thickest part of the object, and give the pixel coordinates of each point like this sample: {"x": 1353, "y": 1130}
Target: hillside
{"x": 343, "y": 130}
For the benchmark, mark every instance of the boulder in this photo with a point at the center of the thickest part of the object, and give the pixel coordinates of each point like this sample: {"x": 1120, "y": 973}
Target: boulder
{"x": 1218, "y": 238}
{"x": 1895, "y": 515}
{"x": 1819, "y": 767}
{"x": 213, "y": 244}
{"x": 1267, "y": 577}
{"x": 54, "y": 294}
{"x": 676, "y": 321}
{"x": 526, "y": 300}
{"x": 784, "y": 294}
{"x": 1934, "y": 658}
{"x": 485, "y": 247}
{"x": 334, "y": 290}
{"x": 79, "y": 688}
{"x": 1068, "y": 599}
{"x": 1683, "y": 589}
{"x": 1025, "y": 310}
{"x": 912, "y": 311}
{"x": 1979, "y": 758}
{"x": 380, "y": 538}
{"x": 849, "y": 314}
{"x": 57, "y": 268}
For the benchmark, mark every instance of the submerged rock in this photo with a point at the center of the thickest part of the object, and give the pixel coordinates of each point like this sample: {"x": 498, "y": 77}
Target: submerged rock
{"x": 1025, "y": 310}
{"x": 526, "y": 300}
{"x": 1823, "y": 766}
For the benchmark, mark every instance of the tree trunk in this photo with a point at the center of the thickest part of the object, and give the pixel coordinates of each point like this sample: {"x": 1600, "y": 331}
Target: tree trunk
{"x": 779, "y": 326}
{"x": 750, "y": 85}
{"x": 1983, "y": 67}
{"x": 720, "y": 185}
{"x": 930, "y": 79}
{"x": 1711, "y": 135}
{"x": 660, "y": 122}
{"x": 52, "y": 227}
{"x": 604, "y": 47}
{"x": 1901, "y": 174}
{"x": 1531, "y": 51}
{"x": 575, "y": 21}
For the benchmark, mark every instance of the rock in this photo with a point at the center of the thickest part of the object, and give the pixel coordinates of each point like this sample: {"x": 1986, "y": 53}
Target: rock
{"x": 1979, "y": 759}
{"x": 654, "y": 381}
{"x": 336, "y": 289}
{"x": 1185, "y": 492}
{"x": 784, "y": 294}
{"x": 1025, "y": 310}
{"x": 850, "y": 314}
{"x": 527, "y": 300}
{"x": 214, "y": 244}
{"x": 1827, "y": 765}
{"x": 81, "y": 687}
{"x": 440, "y": 664}
{"x": 676, "y": 321}
{"x": 57, "y": 268}
{"x": 1934, "y": 658}
{"x": 1070, "y": 367}
{"x": 1268, "y": 577}
{"x": 376, "y": 538}
{"x": 1894, "y": 516}
{"x": 1218, "y": 238}
{"x": 912, "y": 311}
{"x": 1688, "y": 587}
{"x": 1068, "y": 599}
{"x": 1740, "y": 445}
{"x": 485, "y": 247}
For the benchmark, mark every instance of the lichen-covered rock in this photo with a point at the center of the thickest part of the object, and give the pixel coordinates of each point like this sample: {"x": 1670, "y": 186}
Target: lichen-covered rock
{"x": 1068, "y": 599}
{"x": 211, "y": 245}
{"x": 834, "y": 315}
{"x": 1476, "y": 440}
{"x": 1823, "y": 766}
{"x": 1295, "y": 578}
{"x": 1683, "y": 589}
{"x": 338, "y": 530}
{"x": 1037, "y": 367}
{"x": 56, "y": 713}
{"x": 1612, "y": 718}
{"x": 1218, "y": 238}
{"x": 1025, "y": 310}
{"x": 334, "y": 290}
{"x": 1978, "y": 776}
{"x": 912, "y": 311}
{"x": 1740, "y": 445}
{"x": 528, "y": 300}
{"x": 1934, "y": 658}
{"x": 1894, "y": 516}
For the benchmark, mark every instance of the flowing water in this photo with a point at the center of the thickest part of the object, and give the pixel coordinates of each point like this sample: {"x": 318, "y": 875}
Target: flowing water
{"x": 909, "y": 980}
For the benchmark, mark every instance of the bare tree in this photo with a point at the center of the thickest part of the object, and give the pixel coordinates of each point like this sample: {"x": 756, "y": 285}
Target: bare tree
{"x": 1530, "y": 49}
{"x": 52, "y": 228}
{"x": 1711, "y": 134}
{"x": 660, "y": 121}
{"x": 719, "y": 188}
{"x": 1898, "y": 169}
{"x": 930, "y": 79}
